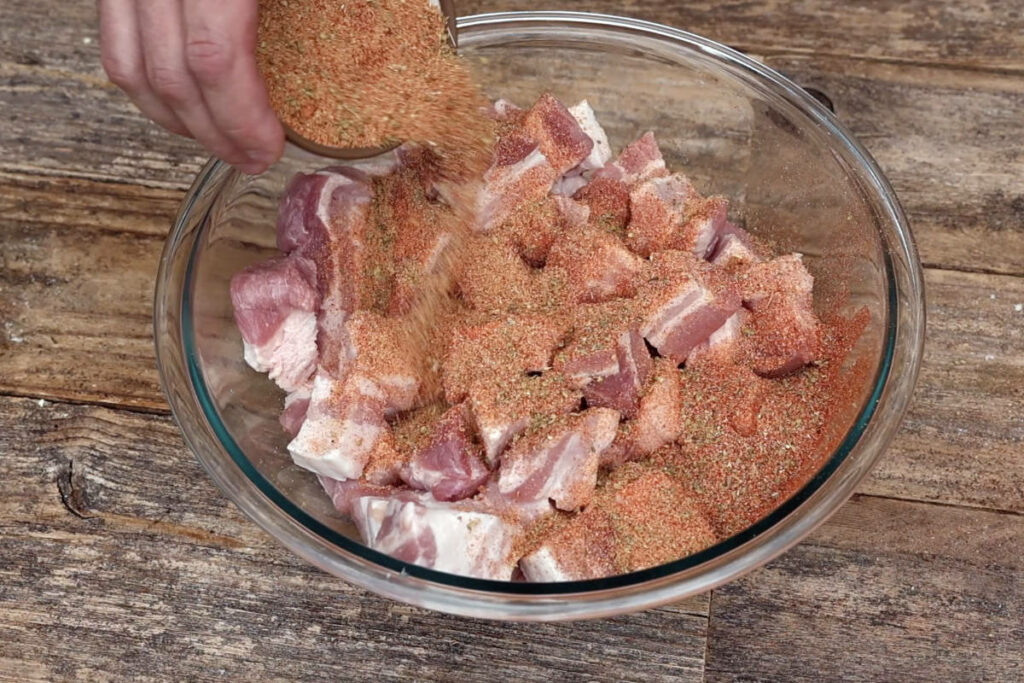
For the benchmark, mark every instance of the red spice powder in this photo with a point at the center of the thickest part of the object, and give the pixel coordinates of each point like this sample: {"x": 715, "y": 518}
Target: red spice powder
{"x": 368, "y": 73}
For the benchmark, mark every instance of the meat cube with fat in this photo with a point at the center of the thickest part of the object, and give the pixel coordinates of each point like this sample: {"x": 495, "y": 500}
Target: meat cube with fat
{"x": 600, "y": 154}
{"x": 503, "y": 408}
{"x": 296, "y": 405}
{"x": 640, "y": 521}
{"x": 608, "y": 200}
{"x": 597, "y": 264}
{"x": 498, "y": 350}
{"x": 381, "y": 349}
{"x": 734, "y": 248}
{"x": 451, "y": 464}
{"x": 785, "y": 333}
{"x": 606, "y": 357}
{"x": 679, "y": 310}
{"x": 638, "y": 162}
{"x": 558, "y": 461}
{"x": 457, "y": 538}
{"x": 722, "y": 341}
{"x": 658, "y": 421}
{"x": 559, "y": 135}
{"x": 510, "y": 187}
{"x": 535, "y": 227}
{"x": 657, "y": 208}
{"x": 344, "y": 426}
{"x": 275, "y": 306}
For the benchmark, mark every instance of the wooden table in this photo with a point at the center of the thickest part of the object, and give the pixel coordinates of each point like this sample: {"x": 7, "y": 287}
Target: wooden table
{"x": 118, "y": 557}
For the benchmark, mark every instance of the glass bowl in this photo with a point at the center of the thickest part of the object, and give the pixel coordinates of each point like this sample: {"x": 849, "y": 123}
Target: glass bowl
{"x": 794, "y": 174}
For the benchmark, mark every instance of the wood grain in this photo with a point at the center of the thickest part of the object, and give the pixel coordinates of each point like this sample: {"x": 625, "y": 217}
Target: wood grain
{"x": 948, "y": 140}
{"x": 77, "y": 272}
{"x": 887, "y": 590}
{"x": 119, "y": 558}
{"x": 976, "y": 33}
{"x": 963, "y": 440}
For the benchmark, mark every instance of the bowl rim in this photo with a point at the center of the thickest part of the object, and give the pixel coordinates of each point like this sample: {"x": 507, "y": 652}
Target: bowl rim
{"x": 627, "y": 592}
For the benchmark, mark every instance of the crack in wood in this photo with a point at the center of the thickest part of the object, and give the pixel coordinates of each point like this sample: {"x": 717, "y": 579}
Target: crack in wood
{"x": 72, "y": 490}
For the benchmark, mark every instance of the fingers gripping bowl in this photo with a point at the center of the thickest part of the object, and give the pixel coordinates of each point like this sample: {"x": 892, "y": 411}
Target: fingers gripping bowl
{"x": 795, "y": 178}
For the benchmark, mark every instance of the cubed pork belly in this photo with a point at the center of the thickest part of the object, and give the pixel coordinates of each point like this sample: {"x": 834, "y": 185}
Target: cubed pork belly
{"x": 723, "y": 341}
{"x": 502, "y": 408}
{"x": 606, "y": 357}
{"x": 668, "y": 213}
{"x": 344, "y": 426}
{"x": 275, "y": 306}
{"x": 535, "y": 227}
{"x": 734, "y": 248}
{"x": 492, "y": 278}
{"x": 296, "y": 404}
{"x": 679, "y": 309}
{"x": 608, "y": 200}
{"x": 639, "y": 521}
{"x": 658, "y": 421}
{"x": 559, "y": 461}
{"x": 343, "y": 492}
{"x": 657, "y": 208}
{"x": 597, "y": 264}
{"x": 557, "y": 132}
{"x": 449, "y": 537}
{"x": 638, "y": 162}
{"x": 325, "y": 217}
{"x": 507, "y": 188}
{"x": 506, "y": 110}
{"x": 498, "y": 349}
{"x": 380, "y": 349}
{"x": 600, "y": 154}
{"x": 785, "y": 332}
{"x": 450, "y": 465}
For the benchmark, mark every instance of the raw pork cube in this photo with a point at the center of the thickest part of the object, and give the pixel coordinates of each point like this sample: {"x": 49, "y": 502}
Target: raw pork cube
{"x": 499, "y": 350}
{"x": 678, "y": 309}
{"x": 343, "y": 492}
{"x": 275, "y": 307}
{"x": 381, "y": 350}
{"x": 608, "y": 200}
{"x": 635, "y": 525}
{"x": 785, "y": 333}
{"x": 657, "y": 210}
{"x": 325, "y": 217}
{"x": 504, "y": 408}
{"x": 722, "y": 341}
{"x": 597, "y": 264}
{"x": 734, "y": 248}
{"x": 451, "y": 465}
{"x": 658, "y": 422}
{"x": 559, "y": 461}
{"x": 558, "y": 133}
{"x": 345, "y": 425}
{"x": 296, "y": 404}
{"x": 533, "y": 229}
{"x": 601, "y": 152}
{"x": 508, "y": 188}
{"x": 607, "y": 357}
{"x": 705, "y": 220}
{"x": 448, "y": 537}
{"x": 492, "y": 278}
{"x": 640, "y": 161}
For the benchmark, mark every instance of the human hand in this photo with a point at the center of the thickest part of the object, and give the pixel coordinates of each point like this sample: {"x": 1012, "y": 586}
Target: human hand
{"x": 190, "y": 66}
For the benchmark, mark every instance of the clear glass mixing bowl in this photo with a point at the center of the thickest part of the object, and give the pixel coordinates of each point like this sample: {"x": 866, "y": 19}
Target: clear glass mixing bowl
{"x": 793, "y": 173}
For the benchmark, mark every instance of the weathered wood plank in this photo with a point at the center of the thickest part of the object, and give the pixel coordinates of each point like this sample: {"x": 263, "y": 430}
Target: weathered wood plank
{"x": 887, "y": 590}
{"x": 119, "y": 557}
{"x": 77, "y": 273}
{"x": 963, "y": 440}
{"x": 948, "y": 141}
